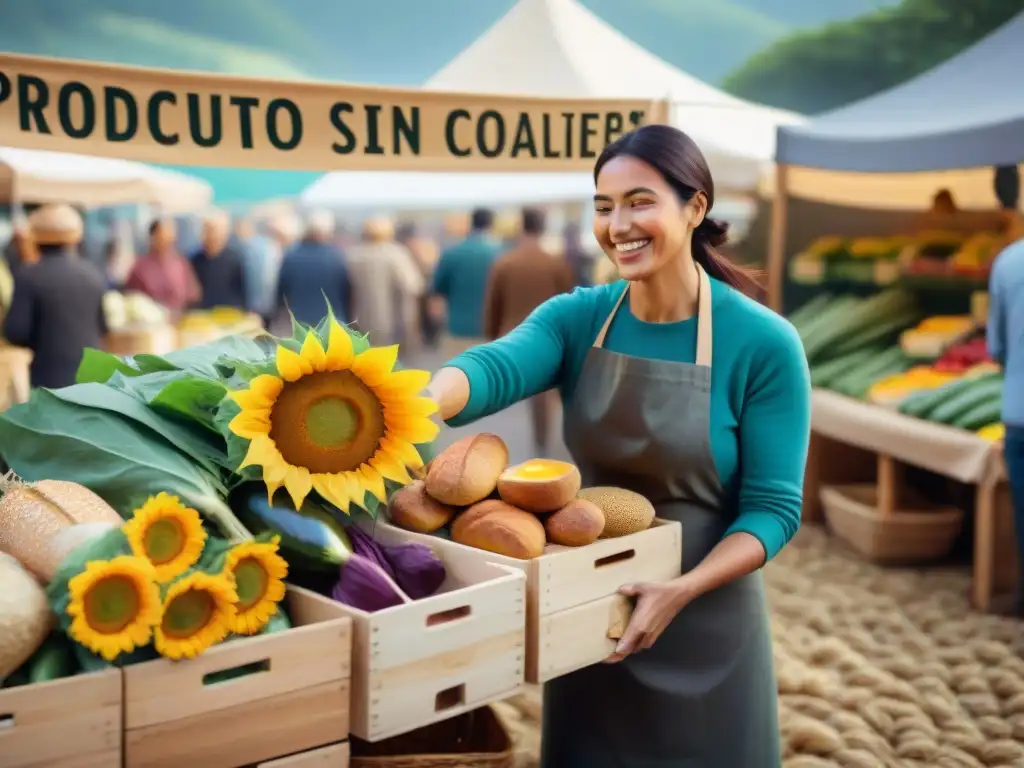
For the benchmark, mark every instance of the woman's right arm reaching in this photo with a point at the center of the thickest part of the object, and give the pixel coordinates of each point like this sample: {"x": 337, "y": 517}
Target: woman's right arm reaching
{"x": 525, "y": 362}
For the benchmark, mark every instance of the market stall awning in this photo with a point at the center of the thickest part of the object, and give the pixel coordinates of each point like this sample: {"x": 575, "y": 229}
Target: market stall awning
{"x": 936, "y": 130}
{"x": 38, "y": 176}
{"x": 557, "y": 48}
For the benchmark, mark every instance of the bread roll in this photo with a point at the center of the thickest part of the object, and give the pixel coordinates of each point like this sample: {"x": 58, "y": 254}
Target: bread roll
{"x": 577, "y": 524}
{"x": 467, "y": 471}
{"x": 413, "y": 509}
{"x": 506, "y": 531}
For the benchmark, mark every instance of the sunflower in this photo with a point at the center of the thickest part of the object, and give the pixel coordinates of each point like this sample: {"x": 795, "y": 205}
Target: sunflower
{"x": 168, "y": 534}
{"x": 258, "y": 572}
{"x": 334, "y": 421}
{"x": 114, "y": 605}
{"x": 198, "y": 611}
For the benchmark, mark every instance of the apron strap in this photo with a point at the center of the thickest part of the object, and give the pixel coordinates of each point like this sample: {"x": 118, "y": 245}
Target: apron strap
{"x": 704, "y": 333}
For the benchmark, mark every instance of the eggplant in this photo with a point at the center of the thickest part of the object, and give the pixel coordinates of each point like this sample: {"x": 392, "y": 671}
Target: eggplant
{"x": 418, "y": 571}
{"x": 364, "y": 585}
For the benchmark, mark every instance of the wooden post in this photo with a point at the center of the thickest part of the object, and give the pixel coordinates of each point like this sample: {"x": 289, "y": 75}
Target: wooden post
{"x": 775, "y": 264}
{"x": 889, "y": 481}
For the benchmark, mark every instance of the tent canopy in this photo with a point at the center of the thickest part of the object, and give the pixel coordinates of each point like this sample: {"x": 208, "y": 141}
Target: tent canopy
{"x": 557, "y": 48}
{"x": 37, "y": 176}
{"x": 944, "y": 128}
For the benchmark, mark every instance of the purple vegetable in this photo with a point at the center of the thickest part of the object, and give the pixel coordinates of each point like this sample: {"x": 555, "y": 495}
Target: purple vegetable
{"x": 364, "y": 585}
{"x": 364, "y": 544}
{"x": 418, "y": 571}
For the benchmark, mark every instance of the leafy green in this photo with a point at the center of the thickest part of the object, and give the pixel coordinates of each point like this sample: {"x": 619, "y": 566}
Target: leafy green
{"x": 98, "y": 366}
{"x": 176, "y": 394}
{"x": 121, "y": 460}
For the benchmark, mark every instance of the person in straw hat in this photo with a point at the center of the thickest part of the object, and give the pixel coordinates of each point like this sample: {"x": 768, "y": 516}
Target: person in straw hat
{"x": 57, "y": 307}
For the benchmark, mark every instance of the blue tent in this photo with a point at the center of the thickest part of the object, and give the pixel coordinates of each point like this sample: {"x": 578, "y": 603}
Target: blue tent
{"x": 243, "y": 185}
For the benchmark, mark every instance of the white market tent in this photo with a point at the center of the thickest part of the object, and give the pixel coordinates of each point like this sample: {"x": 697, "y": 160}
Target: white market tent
{"x": 37, "y": 176}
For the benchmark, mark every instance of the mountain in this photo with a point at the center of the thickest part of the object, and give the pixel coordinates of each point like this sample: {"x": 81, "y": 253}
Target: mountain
{"x": 392, "y": 42}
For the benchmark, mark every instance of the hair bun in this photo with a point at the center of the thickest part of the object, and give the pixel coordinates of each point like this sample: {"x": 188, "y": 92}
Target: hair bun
{"x": 713, "y": 231}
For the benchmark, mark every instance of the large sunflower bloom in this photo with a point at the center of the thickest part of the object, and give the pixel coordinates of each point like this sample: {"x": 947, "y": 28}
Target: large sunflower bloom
{"x": 198, "y": 610}
{"x": 114, "y": 605}
{"x": 259, "y": 572}
{"x": 168, "y": 534}
{"x": 335, "y": 422}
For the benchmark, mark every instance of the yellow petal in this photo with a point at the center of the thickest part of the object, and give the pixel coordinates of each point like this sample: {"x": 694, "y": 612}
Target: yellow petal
{"x": 298, "y": 484}
{"x": 404, "y": 451}
{"x": 390, "y": 467}
{"x": 412, "y": 430}
{"x": 251, "y": 424}
{"x": 333, "y": 490}
{"x": 252, "y": 399}
{"x": 374, "y": 483}
{"x": 290, "y": 365}
{"x": 267, "y": 386}
{"x": 273, "y": 477}
{"x": 356, "y": 488}
{"x": 374, "y": 365}
{"x": 413, "y": 407}
{"x": 403, "y": 384}
{"x": 313, "y": 353}
{"x": 262, "y": 453}
{"x": 339, "y": 348}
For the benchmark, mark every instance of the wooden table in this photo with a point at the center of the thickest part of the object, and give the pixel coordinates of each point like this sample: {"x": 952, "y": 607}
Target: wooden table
{"x": 852, "y": 442}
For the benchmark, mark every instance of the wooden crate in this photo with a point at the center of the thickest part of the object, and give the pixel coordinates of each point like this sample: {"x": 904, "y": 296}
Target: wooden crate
{"x": 74, "y": 722}
{"x": 574, "y": 613}
{"x": 297, "y": 699}
{"x": 331, "y": 756}
{"x": 435, "y": 658}
{"x": 149, "y": 340}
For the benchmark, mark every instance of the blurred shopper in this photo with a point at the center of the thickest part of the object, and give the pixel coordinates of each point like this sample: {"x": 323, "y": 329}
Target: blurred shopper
{"x": 1006, "y": 345}
{"x": 460, "y": 281}
{"x": 386, "y": 285}
{"x": 313, "y": 273}
{"x": 426, "y": 254}
{"x": 580, "y": 262}
{"x": 520, "y": 281}
{"x": 57, "y": 307}
{"x": 263, "y": 258}
{"x": 220, "y": 267}
{"x": 162, "y": 273}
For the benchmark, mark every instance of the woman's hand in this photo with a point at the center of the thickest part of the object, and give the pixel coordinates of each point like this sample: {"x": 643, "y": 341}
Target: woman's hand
{"x": 657, "y": 603}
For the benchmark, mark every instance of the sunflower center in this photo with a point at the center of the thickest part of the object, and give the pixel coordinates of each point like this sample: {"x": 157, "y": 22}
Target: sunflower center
{"x": 327, "y": 422}
{"x": 188, "y": 613}
{"x": 251, "y": 581}
{"x": 111, "y": 604}
{"x": 164, "y": 540}
{"x": 332, "y": 422}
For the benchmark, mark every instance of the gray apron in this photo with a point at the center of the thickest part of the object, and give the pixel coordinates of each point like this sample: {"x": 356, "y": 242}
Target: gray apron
{"x": 704, "y": 696}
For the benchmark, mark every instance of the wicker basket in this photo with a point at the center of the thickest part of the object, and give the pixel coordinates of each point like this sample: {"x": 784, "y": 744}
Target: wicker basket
{"x": 476, "y": 739}
{"x": 916, "y": 532}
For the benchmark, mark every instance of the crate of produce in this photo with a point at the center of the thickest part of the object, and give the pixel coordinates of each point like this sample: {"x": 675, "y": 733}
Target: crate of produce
{"x": 73, "y": 722}
{"x": 291, "y": 693}
{"x": 331, "y": 756}
{"x": 911, "y": 531}
{"x": 432, "y": 644}
{"x": 545, "y": 526}
{"x": 476, "y": 738}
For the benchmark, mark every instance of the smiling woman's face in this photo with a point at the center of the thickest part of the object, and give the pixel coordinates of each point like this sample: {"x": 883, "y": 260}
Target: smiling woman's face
{"x": 639, "y": 220}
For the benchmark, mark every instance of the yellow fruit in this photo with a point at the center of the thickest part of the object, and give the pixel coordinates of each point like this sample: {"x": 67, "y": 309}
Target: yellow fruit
{"x": 992, "y": 432}
{"x": 625, "y": 512}
{"x": 539, "y": 485}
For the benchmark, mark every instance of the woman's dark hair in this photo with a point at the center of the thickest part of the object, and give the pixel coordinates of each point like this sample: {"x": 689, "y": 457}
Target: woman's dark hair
{"x": 681, "y": 164}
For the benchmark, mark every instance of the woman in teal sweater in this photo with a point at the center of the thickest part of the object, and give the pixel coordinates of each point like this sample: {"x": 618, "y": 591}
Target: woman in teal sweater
{"x": 722, "y": 450}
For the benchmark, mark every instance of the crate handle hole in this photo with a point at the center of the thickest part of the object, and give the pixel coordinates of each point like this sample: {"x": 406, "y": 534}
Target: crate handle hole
{"x": 449, "y": 698}
{"x": 233, "y": 673}
{"x": 446, "y": 617}
{"x": 6, "y": 721}
{"x": 618, "y": 557}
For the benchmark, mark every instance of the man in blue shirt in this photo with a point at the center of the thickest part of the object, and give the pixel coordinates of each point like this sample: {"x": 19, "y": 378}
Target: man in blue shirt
{"x": 1006, "y": 345}
{"x": 312, "y": 271}
{"x": 460, "y": 280}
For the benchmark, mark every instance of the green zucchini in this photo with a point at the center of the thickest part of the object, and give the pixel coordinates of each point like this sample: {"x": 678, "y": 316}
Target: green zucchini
{"x": 862, "y": 385}
{"x": 828, "y": 318}
{"x": 823, "y": 374}
{"x": 863, "y": 375}
{"x": 952, "y": 409}
{"x": 810, "y": 309}
{"x": 872, "y": 334}
{"x": 54, "y": 659}
{"x": 867, "y": 313}
{"x": 981, "y": 415}
{"x": 921, "y": 404}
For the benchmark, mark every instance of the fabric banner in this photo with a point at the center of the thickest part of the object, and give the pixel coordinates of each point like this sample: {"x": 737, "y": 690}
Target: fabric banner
{"x": 187, "y": 118}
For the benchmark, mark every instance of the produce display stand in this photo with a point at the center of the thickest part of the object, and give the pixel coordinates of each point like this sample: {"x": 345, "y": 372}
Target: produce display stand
{"x": 250, "y": 325}
{"x": 574, "y": 614}
{"x": 432, "y": 659}
{"x": 142, "y": 339}
{"x": 74, "y": 722}
{"x": 14, "y": 374}
{"x": 331, "y": 756}
{"x": 296, "y": 699}
{"x": 857, "y": 442}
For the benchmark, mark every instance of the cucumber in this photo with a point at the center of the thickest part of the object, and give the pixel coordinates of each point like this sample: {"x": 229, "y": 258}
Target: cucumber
{"x": 810, "y": 309}
{"x": 981, "y": 392}
{"x": 877, "y": 332}
{"x": 823, "y": 374}
{"x": 54, "y": 659}
{"x": 867, "y": 313}
{"x": 921, "y": 404}
{"x": 827, "y": 318}
{"x": 861, "y": 377}
{"x": 981, "y": 415}
{"x": 860, "y": 389}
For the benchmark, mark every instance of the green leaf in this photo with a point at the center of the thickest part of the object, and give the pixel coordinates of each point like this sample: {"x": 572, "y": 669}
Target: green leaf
{"x": 108, "y": 545}
{"x": 98, "y": 366}
{"x": 177, "y": 394}
{"x": 237, "y": 447}
{"x": 153, "y": 364}
{"x": 202, "y": 360}
{"x": 199, "y": 446}
{"x": 214, "y": 555}
{"x": 117, "y": 458}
